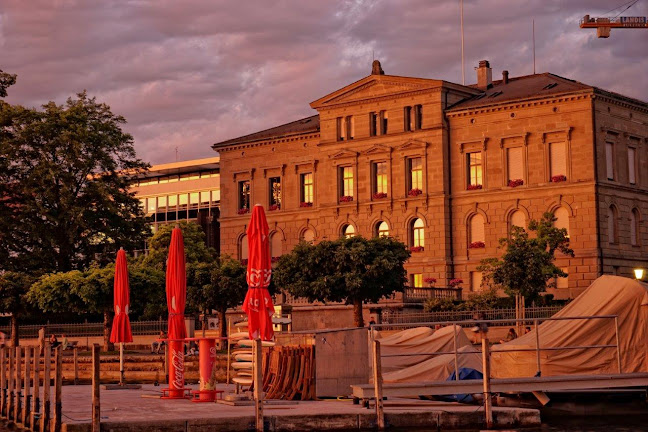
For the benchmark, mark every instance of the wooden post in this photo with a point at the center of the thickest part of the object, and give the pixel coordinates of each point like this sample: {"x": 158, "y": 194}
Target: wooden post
{"x": 34, "y": 418}
{"x": 27, "y": 406}
{"x": 537, "y": 341}
{"x": 488, "y": 408}
{"x": 378, "y": 385}
{"x": 10, "y": 390}
{"x": 455, "y": 328}
{"x": 3, "y": 381}
{"x": 47, "y": 366}
{"x": 96, "y": 387}
{"x": 58, "y": 383}
{"x": 618, "y": 346}
{"x": 18, "y": 402}
{"x": 258, "y": 384}
{"x": 76, "y": 365}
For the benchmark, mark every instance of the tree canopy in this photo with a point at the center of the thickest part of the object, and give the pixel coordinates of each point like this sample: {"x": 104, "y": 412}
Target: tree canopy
{"x": 527, "y": 264}
{"x": 350, "y": 270}
{"x": 196, "y": 250}
{"x": 66, "y": 200}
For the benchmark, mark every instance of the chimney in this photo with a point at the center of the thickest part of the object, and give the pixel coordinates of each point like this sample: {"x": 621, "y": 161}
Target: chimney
{"x": 504, "y": 77}
{"x": 484, "y": 75}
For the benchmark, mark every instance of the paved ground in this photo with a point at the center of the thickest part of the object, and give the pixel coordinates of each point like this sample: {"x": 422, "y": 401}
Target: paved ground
{"x": 126, "y": 410}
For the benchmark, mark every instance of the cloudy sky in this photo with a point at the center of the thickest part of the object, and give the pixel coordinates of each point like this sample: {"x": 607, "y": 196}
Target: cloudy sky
{"x": 190, "y": 73}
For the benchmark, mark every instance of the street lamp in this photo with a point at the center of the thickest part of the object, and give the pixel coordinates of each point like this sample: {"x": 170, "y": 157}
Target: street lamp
{"x": 639, "y": 272}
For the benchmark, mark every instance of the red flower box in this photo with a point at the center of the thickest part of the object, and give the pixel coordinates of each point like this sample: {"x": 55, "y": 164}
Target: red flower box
{"x": 558, "y": 178}
{"x": 477, "y": 245}
{"x": 430, "y": 280}
{"x": 243, "y": 210}
{"x": 417, "y": 249}
{"x": 346, "y": 198}
{"x": 454, "y": 283}
{"x": 515, "y": 183}
{"x": 414, "y": 192}
{"x": 379, "y": 195}
{"x": 306, "y": 204}
{"x": 474, "y": 187}
{"x": 274, "y": 207}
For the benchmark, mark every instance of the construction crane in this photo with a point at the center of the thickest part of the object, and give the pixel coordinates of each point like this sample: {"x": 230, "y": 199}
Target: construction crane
{"x": 603, "y": 26}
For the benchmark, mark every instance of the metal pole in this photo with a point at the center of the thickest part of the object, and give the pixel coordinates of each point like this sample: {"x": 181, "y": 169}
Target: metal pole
{"x": 463, "y": 68}
{"x": 456, "y": 356}
{"x": 378, "y": 385}
{"x": 36, "y": 400}
{"x": 229, "y": 348}
{"x": 27, "y": 406}
{"x": 537, "y": 339}
{"x": 258, "y": 384}
{"x": 96, "y": 383}
{"x": 10, "y": 390}
{"x": 618, "y": 348}
{"x": 58, "y": 383}
{"x": 488, "y": 409}
{"x": 47, "y": 366}
{"x": 121, "y": 363}
{"x": 18, "y": 402}
{"x": 533, "y": 34}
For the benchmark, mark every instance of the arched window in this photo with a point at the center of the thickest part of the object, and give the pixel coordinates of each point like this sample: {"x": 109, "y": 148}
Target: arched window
{"x": 518, "y": 219}
{"x": 276, "y": 245}
{"x": 308, "y": 235}
{"x": 348, "y": 231}
{"x": 382, "y": 229}
{"x": 477, "y": 229}
{"x": 417, "y": 233}
{"x": 613, "y": 231}
{"x": 243, "y": 247}
{"x": 562, "y": 219}
{"x": 634, "y": 227}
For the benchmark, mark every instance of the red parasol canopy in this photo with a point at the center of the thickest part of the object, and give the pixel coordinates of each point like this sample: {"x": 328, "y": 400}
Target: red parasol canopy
{"x": 258, "y": 304}
{"x": 121, "y": 328}
{"x": 176, "y": 286}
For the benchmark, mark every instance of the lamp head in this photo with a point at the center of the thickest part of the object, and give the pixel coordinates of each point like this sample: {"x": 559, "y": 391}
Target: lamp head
{"x": 638, "y": 272}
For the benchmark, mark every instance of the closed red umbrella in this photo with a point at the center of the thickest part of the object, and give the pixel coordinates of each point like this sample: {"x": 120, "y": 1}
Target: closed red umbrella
{"x": 258, "y": 305}
{"x": 176, "y": 293}
{"x": 121, "y": 328}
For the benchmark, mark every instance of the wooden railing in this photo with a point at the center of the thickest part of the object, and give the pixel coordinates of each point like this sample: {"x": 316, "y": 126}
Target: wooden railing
{"x": 419, "y": 295}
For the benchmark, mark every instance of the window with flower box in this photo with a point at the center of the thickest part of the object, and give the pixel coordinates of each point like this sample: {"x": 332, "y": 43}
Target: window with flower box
{"x": 415, "y": 176}
{"x": 345, "y": 176}
{"x": 417, "y": 235}
{"x": 379, "y": 180}
{"x": 558, "y": 161}
{"x": 274, "y": 189}
{"x": 515, "y": 166}
{"x": 306, "y": 189}
{"x": 474, "y": 172}
{"x": 476, "y": 233}
{"x": 244, "y": 196}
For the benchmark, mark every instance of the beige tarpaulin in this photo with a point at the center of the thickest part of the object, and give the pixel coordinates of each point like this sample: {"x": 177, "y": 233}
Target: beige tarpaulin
{"x": 438, "y": 368}
{"x": 607, "y": 295}
{"x": 420, "y": 340}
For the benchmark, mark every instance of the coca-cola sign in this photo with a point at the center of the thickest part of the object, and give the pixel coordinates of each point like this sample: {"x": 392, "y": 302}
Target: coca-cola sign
{"x": 177, "y": 366}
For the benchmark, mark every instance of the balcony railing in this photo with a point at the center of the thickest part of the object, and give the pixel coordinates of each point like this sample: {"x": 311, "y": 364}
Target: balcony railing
{"x": 419, "y": 295}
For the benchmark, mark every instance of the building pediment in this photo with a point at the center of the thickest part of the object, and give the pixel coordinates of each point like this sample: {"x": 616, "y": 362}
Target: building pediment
{"x": 376, "y": 149}
{"x": 343, "y": 154}
{"x": 412, "y": 145}
{"x": 375, "y": 86}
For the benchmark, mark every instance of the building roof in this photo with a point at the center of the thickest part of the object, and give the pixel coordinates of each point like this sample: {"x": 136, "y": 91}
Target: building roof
{"x": 181, "y": 167}
{"x": 531, "y": 86}
{"x": 305, "y": 125}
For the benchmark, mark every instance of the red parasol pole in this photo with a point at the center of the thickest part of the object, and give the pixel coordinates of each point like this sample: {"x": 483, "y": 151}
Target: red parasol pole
{"x": 121, "y": 328}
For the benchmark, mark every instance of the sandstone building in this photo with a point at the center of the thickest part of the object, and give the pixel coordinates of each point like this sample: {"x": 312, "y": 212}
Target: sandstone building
{"x": 448, "y": 169}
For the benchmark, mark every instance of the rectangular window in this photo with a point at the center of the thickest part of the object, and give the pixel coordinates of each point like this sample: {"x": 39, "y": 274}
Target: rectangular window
{"x": 557, "y": 159}
{"x": 346, "y": 183}
{"x": 515, "y": 163}
{"x": 143, "y": 204}
{"x": 474, "y": 168}
{"x": 384, "y": 120}
{"x": 373, "y": 124}
{"x": 407, "y": 118}
{"x": 173, "y": 202}
{"x": 475, "y": 281}
{"x": 417, "y": 280}
{"x": 350, "y": 127}
{"x": 244, "y": 194}
{"x": 380, "y": 178}
{"x": 275, "y": 192}
{"x": 193, "y": 199}
{"x": 563, "y": 282}
{"x": 339, "y": 125}
{"x": 632, "y": 167}
{"x": 215, "y": 195}
{"x": 415, "y": 170}
{"x": 162, "y": 203}
{"x": 204, "y": 198}
{"x": 609, "y": 160}
{"x": 418, "y": 117}
{"x": 151, "y": 206}
{"x": 183, "y": 201}
{"x": 306, "y": 181}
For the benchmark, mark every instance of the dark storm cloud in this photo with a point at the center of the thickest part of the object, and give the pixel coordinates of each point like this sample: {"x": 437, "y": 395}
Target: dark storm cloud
{"x": 191, "y": 73}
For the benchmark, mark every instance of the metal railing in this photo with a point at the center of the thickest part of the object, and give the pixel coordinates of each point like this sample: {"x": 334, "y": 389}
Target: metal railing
{"x": 506, "y": 315}
{"x": 87, "y": 329}
{"x": 419, "y": 295}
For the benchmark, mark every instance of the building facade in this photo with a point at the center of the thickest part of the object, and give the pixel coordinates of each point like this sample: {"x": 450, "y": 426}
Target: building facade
{"x": 187, "y": 190}
{"x": 448, "y": 169}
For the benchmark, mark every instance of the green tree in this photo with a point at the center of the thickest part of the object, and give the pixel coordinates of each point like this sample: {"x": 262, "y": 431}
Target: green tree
{"x": 350, "y": 270}
{"x": 196, "y": 250}
{"x": 6, "y": 80}
{"x": 218, "y": 286}
{"x": 71, "y": 166}
{"x": 13, "y": 289}
{"x": 527, "y": 265}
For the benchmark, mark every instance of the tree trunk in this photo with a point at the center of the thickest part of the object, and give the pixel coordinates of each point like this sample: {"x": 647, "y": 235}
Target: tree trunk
{"x": 222, "y": 323}
{"x": 204, "y": 323}
{"x": 14, "y": 329}
{"x": 107, "y": 346}
{"x": 357, "y": 313}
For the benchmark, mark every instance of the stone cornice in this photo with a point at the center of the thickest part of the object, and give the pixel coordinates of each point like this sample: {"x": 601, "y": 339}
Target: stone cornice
{"x": 259, "y": 143}
{"x": 381, "y": 98}
{"x": 516, "y": 104}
